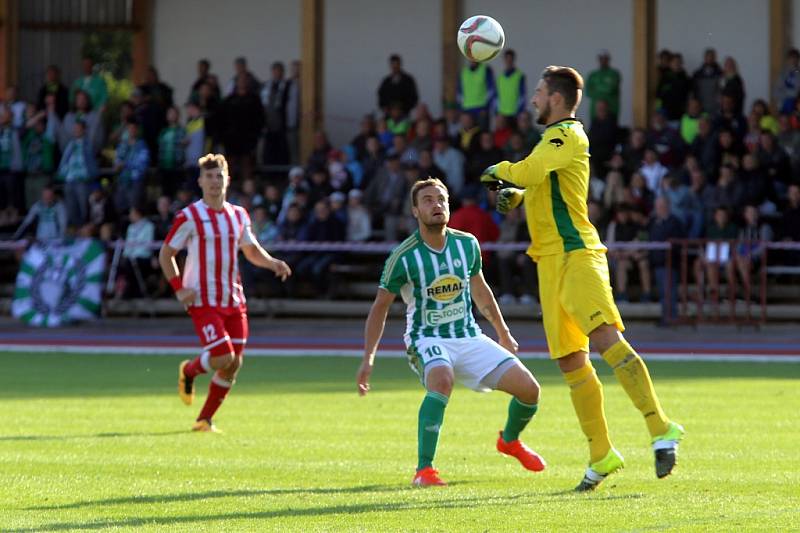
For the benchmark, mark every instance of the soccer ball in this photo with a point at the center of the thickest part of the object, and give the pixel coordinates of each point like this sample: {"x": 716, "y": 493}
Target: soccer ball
{"x": 480, "y": 38}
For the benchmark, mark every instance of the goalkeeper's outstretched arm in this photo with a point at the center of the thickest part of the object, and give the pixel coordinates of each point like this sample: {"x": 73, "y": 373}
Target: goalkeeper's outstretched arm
{"x": 554, "y": 151}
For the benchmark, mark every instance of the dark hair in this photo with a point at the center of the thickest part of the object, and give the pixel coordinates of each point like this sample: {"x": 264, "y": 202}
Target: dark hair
{"x": 89, "y": 104}
{"x": 423, "y": 184}
{"x": 511, "y": 53}
{"x": 278, "y": 64}
{"x": 395, "y": 57}
{"x": 763, "y": 103}
{"x": 205, "y": 62}
{"x": 565, "y": 81}
{"x": 794, "y": 52}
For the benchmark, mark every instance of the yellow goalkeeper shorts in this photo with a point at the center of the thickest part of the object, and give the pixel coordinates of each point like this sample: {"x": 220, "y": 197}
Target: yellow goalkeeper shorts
{"x": 575, "y": 294}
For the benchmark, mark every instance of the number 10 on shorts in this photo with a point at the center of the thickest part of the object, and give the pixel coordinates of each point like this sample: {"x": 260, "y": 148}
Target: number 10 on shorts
{"x": 432, "y": 352}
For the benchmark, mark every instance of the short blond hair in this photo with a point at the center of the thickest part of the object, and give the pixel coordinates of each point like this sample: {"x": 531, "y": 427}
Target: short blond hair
{"x": 422, "y": 184}
{"x": 209, "y": 161}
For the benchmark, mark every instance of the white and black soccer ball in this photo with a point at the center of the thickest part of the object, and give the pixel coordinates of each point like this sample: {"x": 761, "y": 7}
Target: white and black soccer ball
{"x": 480, "y": 38}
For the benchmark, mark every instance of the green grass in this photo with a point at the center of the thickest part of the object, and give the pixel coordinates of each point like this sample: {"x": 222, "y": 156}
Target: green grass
{"x": 100, "y": 442}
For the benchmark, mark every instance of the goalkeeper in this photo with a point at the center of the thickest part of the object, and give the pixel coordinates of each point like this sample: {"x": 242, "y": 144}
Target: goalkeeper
{"x": 574, "y": 287}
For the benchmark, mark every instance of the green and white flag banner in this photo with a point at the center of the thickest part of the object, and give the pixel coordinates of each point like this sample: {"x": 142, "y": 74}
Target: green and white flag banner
{"x": 60, "y": 282}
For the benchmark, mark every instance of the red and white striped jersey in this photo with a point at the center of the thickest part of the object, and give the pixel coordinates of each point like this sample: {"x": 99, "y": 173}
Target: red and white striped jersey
{"x": 213, "y": 239}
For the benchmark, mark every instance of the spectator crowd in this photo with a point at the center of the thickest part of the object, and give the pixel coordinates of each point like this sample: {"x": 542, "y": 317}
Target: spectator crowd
{"x": 705, "y": 167}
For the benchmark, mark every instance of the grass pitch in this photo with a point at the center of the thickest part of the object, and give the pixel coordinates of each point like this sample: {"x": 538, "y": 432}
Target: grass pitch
{"x": 94, "y": 442}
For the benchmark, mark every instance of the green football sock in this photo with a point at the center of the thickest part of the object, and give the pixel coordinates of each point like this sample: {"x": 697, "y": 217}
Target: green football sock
{"x": 519, "y": 414}
{"x": 431, "y": 415}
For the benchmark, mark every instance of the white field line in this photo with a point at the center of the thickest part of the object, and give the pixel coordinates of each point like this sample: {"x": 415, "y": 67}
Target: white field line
{"x": 272, "y": 352}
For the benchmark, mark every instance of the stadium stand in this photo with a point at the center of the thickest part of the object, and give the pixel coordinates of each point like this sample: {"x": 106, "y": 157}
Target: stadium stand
{"x": 722, "y": 176}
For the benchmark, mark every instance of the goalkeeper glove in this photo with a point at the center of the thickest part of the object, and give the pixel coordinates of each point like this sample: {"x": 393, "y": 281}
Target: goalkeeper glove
{"x": 491, "y": 181}
{"x": 508, "y": 199}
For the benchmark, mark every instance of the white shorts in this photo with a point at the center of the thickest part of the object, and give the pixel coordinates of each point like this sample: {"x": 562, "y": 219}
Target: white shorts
{"x": 471, "y": 358}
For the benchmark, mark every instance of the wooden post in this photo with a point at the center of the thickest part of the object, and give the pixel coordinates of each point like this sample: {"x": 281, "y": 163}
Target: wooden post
{"x": 312, "y": 28}
{"x": 9, "y": 43}
{"x": 142, "y": 46}
{"x": 452, "y": 11}
{"x": 644, "y": 56}
{"x": 779, "y": 35}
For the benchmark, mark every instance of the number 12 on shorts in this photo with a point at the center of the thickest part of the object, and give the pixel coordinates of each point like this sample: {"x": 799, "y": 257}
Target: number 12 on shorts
{"x": 210, "y": 332}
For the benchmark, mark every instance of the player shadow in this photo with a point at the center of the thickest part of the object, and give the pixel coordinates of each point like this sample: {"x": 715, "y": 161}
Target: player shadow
{"x": 109, "y": 435}
{"x": 353, "y": 509}
{"x": 186, "y": 497}
{"x": 593, "y": 496}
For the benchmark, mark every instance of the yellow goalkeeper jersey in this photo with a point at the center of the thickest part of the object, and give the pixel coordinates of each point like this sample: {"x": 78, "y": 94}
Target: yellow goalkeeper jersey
{"x": 555, "y": 177}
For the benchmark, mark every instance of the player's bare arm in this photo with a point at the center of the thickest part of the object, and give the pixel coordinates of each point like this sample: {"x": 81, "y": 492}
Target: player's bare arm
{"x": 166, "y": 259}
{"x": 373, "y": 331}
{"x": 487, "y": 305}
{"x": 261, "y": 258}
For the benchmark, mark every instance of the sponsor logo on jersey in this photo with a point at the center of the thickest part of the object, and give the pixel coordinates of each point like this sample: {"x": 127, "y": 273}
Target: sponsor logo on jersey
{"x": 445, "y": 288}
{"x": 445, "y": 315}
{"x": 457, "y": 263}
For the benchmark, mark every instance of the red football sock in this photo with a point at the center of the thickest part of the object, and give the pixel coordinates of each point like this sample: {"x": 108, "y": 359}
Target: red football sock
{"x": 218, "y": 389}
{"x": 197, "y": 366}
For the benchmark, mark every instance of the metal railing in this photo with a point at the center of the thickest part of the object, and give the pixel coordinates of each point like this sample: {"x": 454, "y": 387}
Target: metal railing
{"x": 700, "y": 301}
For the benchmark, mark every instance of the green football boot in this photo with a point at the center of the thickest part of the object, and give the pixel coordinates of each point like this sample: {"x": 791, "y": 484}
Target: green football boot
{"x": 598, "y": 471}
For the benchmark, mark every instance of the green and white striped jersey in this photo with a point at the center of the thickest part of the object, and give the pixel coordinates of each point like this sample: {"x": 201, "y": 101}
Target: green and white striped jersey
{"x": 435, "y": 285}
